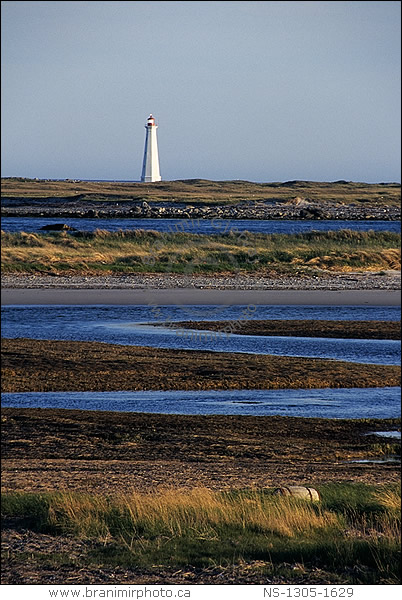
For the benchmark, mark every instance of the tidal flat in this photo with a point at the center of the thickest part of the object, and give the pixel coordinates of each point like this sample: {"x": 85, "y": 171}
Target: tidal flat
{"x": 104, "y": 451}
{"x": 132, "y": 498}
{"x": 55, "y": 365}
{"x": 373, "y": 330}
{"x": 114, "y": 497}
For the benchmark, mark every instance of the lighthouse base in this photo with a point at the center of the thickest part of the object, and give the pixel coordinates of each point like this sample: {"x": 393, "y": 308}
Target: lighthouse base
{"x": 149, "y": 179}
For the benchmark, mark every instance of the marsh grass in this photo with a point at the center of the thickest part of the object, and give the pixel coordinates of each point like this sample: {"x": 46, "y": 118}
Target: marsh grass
{"x": 355, "y": 529}
{"x": 154, "y": 252}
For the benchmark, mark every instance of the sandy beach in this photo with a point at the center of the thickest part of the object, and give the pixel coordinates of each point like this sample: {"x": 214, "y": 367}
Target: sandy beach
{"x": 371, "y": 289}
{"x": 200, "y": 297}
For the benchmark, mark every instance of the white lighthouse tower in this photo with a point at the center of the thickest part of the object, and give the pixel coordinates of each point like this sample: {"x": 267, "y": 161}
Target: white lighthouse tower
{"x": 150, "y": 166}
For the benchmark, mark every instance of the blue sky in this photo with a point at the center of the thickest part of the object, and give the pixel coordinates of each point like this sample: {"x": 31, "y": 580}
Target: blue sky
{"x": 261, "y": 91}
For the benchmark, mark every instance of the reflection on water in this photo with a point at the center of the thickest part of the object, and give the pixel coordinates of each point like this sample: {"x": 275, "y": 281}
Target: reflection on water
{"x": 379, "y": 403}
{"x": 127, "y": 325}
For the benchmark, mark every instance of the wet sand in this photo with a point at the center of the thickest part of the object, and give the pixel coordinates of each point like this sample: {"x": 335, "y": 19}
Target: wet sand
{"x": 200, "y": 297}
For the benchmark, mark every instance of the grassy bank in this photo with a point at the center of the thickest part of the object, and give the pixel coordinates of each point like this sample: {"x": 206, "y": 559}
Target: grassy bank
{"x": 103, "y": 252}
{"x": 352, "y": 535}
{"x": 201, "y": 191}
{"x": 50, "y": 365}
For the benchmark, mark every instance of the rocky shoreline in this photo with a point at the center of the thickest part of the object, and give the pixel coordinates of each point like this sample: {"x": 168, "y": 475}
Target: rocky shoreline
{"x": 383, "y": 280}
{"x": 295, "y": 209}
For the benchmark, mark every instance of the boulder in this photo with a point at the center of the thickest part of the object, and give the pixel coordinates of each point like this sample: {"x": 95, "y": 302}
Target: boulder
{"x": 57, "y": 227}
{"x": 298, "y": 491}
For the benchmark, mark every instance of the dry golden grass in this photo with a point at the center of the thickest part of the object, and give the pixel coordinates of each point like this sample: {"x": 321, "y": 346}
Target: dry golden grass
{"x": 139, "y": 251}
{"x": 204, "y": 514}
{"x": 389, "y": 499}
{"x": 199, "y": 510}
{"x": 197, "y": 528}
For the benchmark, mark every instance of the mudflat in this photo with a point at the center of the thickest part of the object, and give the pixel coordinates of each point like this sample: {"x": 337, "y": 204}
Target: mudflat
{"x": 373, "y": 330}
{"x": 104, "y": 452}
{"x": 53, "y": 365}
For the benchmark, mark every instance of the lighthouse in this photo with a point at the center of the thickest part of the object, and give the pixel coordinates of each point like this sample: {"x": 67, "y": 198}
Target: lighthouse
{"x": 150, "y": 166}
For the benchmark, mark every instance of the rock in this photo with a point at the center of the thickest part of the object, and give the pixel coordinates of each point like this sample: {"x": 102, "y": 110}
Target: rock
{"x": 91, "y": 213}
{"x": 299, "y": 208}
{"x": 298, "y": 491}
{"x": 136, "y": 211}
{"x": 57, "y": 227}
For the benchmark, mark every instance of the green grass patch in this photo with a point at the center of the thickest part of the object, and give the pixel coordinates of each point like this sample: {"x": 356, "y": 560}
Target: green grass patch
{"x": 354, "y": 531}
